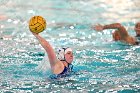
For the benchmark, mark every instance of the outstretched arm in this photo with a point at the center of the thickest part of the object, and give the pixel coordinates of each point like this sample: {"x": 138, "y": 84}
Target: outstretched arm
{"x": 117, "y": 26}
{"x": 50, "y": 51}
{"x": 56, "y": 65}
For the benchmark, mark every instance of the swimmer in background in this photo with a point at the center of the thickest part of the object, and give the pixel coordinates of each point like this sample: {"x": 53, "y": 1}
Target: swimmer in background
{"x": 121, "y": 34}
{"x": 62, "y": 65}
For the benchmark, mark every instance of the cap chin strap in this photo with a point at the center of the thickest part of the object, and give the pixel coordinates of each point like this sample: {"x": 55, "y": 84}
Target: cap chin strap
{"x": 65, "y": 60}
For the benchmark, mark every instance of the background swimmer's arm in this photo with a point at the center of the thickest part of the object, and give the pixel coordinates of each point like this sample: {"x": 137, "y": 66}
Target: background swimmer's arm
{"x": 117, "y": 26}
{"x": 50, "y": 51}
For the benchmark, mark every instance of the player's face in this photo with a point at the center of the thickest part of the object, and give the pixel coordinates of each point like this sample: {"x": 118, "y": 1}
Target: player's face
{"x": 69, "y": 56}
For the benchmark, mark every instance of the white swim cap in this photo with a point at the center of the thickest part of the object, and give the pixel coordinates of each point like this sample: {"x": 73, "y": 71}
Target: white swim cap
{"x": 62, "y": 52}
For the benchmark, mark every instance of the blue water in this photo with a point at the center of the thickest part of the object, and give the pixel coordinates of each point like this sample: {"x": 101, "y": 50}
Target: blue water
{"x": 100, "y": 65}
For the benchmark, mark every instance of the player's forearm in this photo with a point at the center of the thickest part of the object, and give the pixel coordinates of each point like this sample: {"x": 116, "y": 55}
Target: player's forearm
{"x": 49, "y": 49}
{"x": 43, "y": 42}
{"x": 123, "y": 32}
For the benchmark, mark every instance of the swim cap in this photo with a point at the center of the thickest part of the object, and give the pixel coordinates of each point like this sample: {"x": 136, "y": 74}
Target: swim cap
{"x": 62, "y": 52}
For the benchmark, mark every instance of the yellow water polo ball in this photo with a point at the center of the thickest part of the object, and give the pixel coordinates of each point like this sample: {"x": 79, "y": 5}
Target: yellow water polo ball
{"x": 37, "y": 24}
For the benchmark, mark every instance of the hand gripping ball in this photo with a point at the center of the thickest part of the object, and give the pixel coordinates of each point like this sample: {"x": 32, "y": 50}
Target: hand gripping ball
{"x": 37, "y": 24}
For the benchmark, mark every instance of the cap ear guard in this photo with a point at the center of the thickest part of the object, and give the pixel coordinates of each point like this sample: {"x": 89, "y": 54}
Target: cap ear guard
{"x": 61, "y": 53}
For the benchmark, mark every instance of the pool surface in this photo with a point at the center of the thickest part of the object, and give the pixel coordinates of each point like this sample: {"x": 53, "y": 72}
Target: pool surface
{"x": 100, "y": 64}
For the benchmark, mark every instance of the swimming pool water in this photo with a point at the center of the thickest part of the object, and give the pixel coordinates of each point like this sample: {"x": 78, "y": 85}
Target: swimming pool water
{"x": 100, "y": 65}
